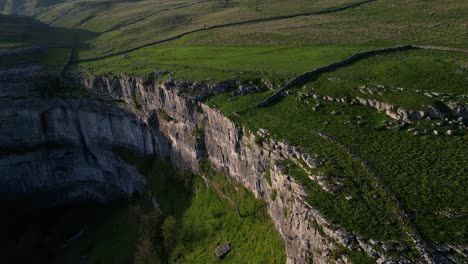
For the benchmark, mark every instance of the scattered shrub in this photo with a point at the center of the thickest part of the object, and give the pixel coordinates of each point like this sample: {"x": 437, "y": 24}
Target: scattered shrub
{"x": 273, "y": 195}
{"x": 267, "y": 177}
{"x": 170, "y": 233}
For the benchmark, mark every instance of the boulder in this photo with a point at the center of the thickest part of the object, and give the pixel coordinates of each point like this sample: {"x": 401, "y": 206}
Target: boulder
{"x": 223, "y": 249}
{"x": 450, "y": 132}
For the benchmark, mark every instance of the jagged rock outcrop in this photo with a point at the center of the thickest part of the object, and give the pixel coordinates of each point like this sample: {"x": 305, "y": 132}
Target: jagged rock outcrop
{"x": 395, "y": 112}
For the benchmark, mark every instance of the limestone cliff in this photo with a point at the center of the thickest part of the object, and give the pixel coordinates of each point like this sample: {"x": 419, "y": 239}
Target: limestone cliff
{"x": 195, "y": 131}
{"x": 56, "y": 152}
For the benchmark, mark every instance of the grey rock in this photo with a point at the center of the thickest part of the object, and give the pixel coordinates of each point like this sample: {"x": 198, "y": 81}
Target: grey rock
{"x": 355, "y": 248}
{"x": 222, "y": 250}
{"x": 450, "y": 132}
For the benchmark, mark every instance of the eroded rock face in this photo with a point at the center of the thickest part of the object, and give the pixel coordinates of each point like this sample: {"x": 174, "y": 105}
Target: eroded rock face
{"x": 56, "y": 152}
{"x": 232, "y": 150}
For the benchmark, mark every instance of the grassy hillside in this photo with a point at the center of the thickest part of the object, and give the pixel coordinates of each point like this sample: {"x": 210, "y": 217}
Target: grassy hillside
{"x": 126, "y": 25}
{"x": 388, "y": 168}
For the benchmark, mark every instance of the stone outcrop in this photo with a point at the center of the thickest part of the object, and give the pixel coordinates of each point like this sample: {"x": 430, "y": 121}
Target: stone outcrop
{"x": 400, "y": 113}
{"x": 457, "y": 110}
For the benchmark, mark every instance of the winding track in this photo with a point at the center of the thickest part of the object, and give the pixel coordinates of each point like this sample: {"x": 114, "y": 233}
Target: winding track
{"x": 227, "y": 25}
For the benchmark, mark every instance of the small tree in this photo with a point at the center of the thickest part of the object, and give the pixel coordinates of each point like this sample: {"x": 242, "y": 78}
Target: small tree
{"x": 170, "y": 234}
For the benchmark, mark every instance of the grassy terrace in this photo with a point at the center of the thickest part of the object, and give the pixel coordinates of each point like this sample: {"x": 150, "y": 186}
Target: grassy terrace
{"x": 376, "y": 23}
{"x": 115, "y": 19}
{"x": 223, "y": 63}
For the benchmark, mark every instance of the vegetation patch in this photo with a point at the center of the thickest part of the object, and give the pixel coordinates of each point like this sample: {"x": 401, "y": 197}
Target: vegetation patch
{"x": 267, "y": 177}
{"x": 163, "y": 115}
{"x": 273, "y": 195}
{"x": 198, "y": 217}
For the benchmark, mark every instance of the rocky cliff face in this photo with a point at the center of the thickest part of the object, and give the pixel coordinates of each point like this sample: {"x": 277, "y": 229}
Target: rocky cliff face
{"x": 56, "y": 152}
{"x": 195, "y": 131}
